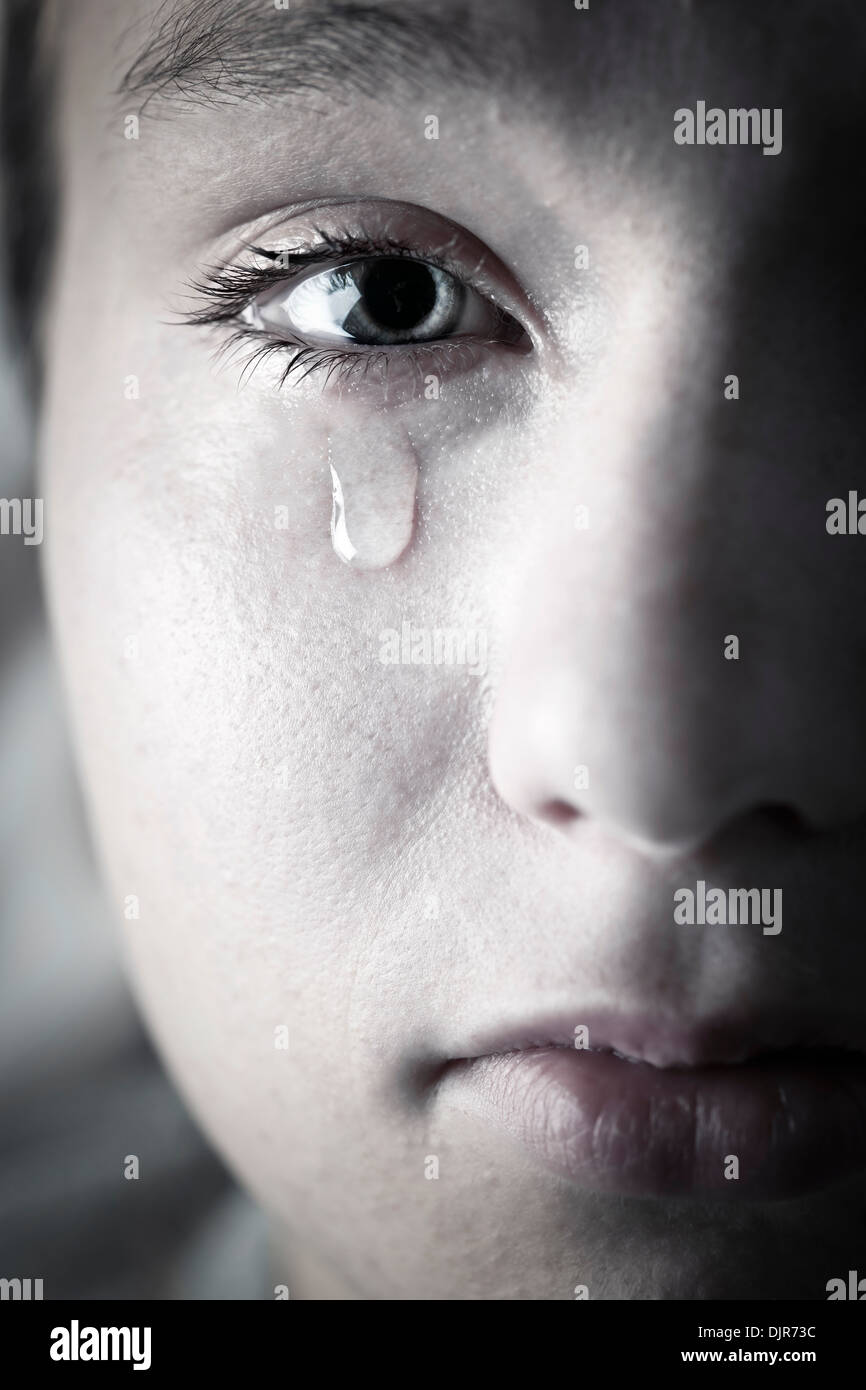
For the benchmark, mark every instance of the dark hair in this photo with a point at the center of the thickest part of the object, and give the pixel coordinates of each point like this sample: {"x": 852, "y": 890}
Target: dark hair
{"x": 29, "y": 195}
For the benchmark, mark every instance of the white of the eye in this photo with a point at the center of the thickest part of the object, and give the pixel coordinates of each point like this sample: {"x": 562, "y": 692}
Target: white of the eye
{"x": 317, "y": 306}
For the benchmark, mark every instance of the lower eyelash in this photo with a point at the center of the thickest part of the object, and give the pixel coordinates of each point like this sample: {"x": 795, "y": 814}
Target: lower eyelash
{"x": 303, "y": 359}
{"x": 337, "y": 363}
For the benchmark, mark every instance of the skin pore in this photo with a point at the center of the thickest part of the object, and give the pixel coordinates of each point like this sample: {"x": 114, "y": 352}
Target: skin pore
{"x": 393, "y": 860}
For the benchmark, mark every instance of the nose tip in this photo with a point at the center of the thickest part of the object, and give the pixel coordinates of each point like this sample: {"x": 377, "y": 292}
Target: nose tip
{"x": 665, "y": 789}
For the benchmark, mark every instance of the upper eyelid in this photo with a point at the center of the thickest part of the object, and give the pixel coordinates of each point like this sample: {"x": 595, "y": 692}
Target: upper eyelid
{"x": 312, "y": 263}
{"x": 431, "y": 235}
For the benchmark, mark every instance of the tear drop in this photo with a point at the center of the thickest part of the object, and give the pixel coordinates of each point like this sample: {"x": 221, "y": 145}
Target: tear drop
{"x": 373, "y": 488}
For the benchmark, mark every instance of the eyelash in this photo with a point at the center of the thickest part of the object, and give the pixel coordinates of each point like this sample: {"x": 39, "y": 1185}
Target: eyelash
{"x": 227, "y": 290}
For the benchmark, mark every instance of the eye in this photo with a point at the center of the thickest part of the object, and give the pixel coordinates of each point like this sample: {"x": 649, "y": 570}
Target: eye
{"x": 381, "y": 301}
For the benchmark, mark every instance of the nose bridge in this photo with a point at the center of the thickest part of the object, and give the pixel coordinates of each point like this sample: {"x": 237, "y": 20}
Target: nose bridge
{"x": 627, "y": 702}
{"x": 634, "y": 551}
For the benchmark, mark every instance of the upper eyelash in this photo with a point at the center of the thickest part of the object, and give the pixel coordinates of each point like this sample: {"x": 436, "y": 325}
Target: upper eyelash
{"x": 229, "y": 289}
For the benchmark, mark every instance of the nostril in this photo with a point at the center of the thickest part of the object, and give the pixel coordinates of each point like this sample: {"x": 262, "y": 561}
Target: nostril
{"x": 783, "y": 818}
{"x": 558, "y": 813}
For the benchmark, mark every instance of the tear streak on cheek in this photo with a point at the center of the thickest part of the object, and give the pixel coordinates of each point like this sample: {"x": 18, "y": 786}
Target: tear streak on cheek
{"x": 373, "y": 497}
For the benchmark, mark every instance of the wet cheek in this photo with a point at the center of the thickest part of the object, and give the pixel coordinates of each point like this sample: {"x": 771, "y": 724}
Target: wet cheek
{"x": 221, "y": 653}
{"x": 251, "y": 583}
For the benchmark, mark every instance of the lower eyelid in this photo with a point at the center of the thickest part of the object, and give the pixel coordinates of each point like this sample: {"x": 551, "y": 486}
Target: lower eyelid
{"x": 393, "y": 376}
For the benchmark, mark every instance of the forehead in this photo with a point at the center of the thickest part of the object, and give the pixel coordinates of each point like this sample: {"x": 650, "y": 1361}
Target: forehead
{"x": 552, "y": 119}
{"x": 175, "y": 53}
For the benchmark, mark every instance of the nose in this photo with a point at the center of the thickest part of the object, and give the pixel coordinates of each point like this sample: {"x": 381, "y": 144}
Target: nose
{"x": 676, "y": 659}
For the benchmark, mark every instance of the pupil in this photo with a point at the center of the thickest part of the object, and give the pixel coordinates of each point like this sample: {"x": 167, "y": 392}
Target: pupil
{"x": 398, "y": 294}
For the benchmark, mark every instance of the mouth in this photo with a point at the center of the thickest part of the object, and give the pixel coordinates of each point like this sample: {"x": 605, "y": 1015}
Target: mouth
{"x": 728, "y": 1122}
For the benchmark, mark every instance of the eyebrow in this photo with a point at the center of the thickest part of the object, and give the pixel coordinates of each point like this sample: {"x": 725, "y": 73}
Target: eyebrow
{"x": 206, "y": 52}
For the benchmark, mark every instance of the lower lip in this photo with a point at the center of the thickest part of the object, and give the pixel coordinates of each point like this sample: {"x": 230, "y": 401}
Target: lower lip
{"x": 612, "y": 1125}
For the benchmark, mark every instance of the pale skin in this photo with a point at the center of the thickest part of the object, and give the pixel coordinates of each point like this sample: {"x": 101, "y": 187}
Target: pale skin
{"x": 389, "y": 860}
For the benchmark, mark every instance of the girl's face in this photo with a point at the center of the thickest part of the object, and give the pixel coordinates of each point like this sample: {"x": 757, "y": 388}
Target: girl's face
{"x": 423, "y": 424}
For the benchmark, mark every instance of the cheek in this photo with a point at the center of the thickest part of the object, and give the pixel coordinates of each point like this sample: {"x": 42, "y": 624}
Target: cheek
{"x": 243, "y": 750}
{"x": 263, "y": 699}
{"x": 253, "y": 749}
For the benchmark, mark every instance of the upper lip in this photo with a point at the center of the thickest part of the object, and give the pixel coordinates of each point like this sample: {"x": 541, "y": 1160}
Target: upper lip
{"x": 670, "y": 1042}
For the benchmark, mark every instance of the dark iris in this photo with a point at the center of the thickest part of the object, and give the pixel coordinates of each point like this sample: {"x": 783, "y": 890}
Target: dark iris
{"x": 398, "y": 294}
